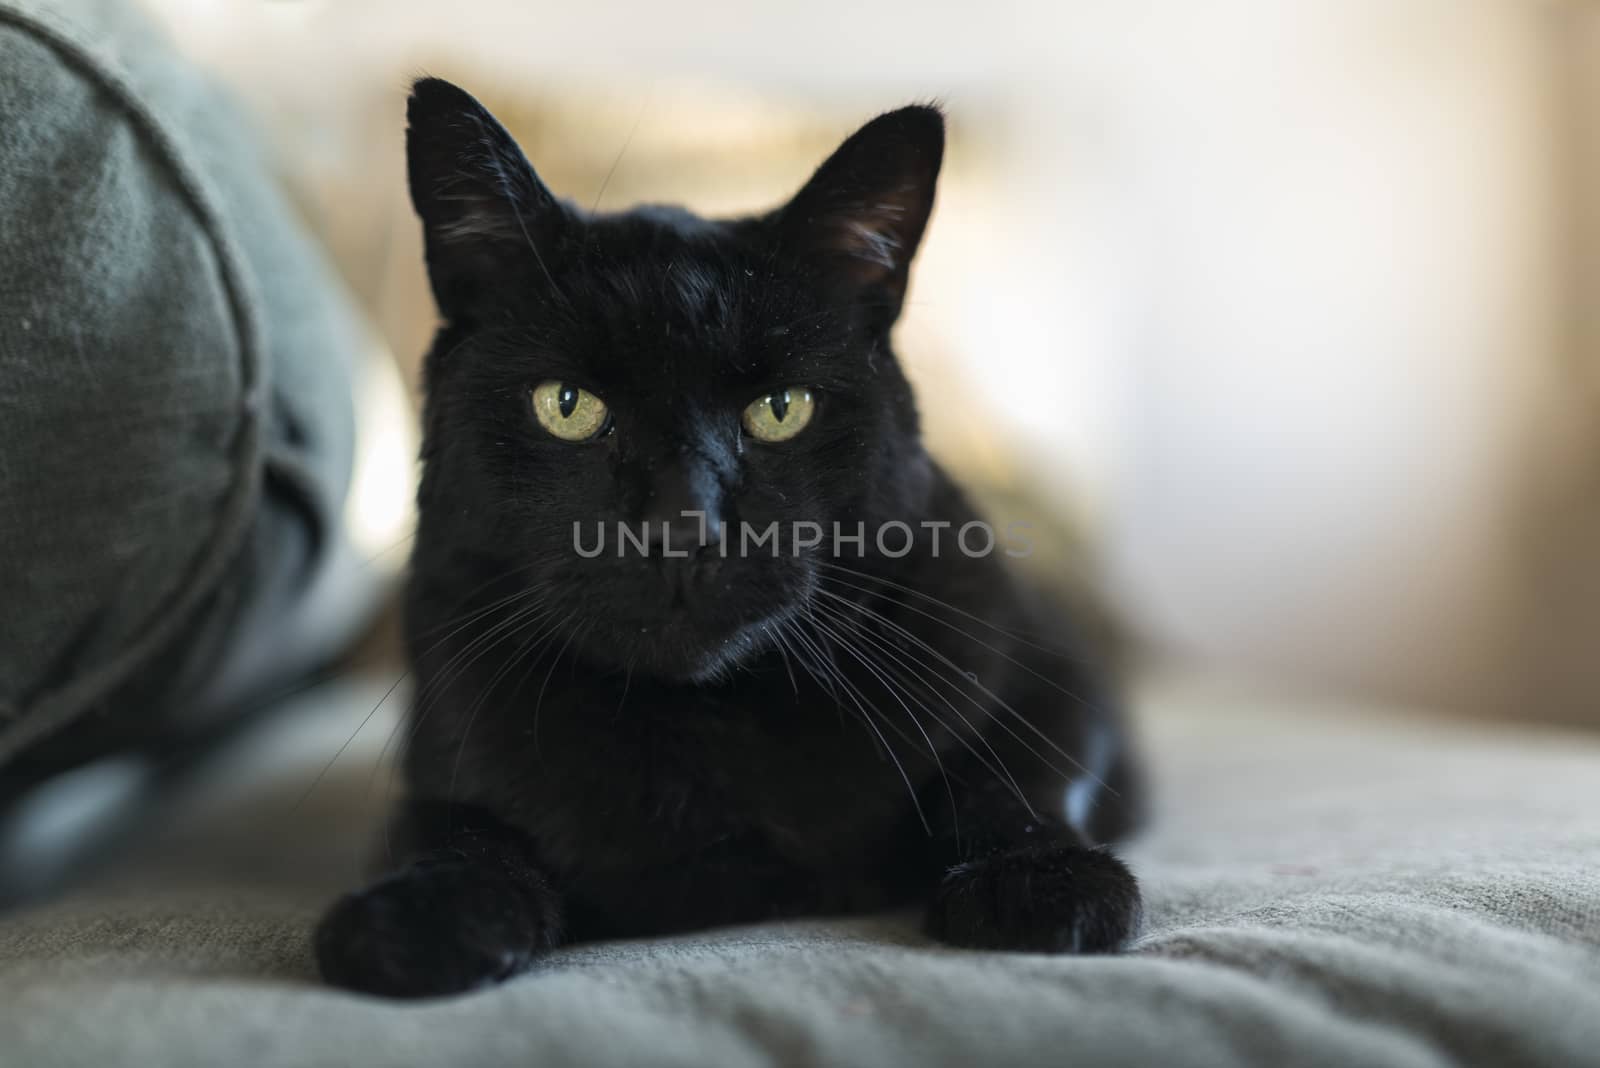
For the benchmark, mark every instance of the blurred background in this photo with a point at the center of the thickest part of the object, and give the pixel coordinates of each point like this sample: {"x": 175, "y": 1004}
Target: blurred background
{"x": 1291, "y": 307}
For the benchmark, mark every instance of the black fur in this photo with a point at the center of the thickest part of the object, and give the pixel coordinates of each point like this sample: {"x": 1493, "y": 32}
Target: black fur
{"x": 633, "y": 745}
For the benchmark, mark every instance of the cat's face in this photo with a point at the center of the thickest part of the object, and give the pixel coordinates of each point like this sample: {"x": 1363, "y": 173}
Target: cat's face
{"x": 597, "y": 370}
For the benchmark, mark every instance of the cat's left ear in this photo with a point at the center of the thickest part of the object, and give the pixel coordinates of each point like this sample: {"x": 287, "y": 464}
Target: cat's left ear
{"x": 487, "y": 219}
{"x": 861, "y": 216}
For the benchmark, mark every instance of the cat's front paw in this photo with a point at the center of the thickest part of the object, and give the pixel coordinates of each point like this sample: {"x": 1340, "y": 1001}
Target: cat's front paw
{"x": 436, "y": 928}
{"x": 1044, "y": 899}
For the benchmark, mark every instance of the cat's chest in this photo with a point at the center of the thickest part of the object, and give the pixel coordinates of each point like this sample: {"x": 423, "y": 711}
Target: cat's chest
{"x": 659, "y": 777}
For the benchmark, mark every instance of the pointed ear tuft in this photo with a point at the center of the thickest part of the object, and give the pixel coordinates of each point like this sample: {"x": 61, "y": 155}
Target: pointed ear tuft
{"x": 862, "y": 215}
{"x": 484, "y": 210}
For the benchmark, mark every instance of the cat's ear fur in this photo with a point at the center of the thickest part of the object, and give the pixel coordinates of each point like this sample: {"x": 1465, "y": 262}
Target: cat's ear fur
{"x": 862, "y": 214}
{"x": 485, "y": 213}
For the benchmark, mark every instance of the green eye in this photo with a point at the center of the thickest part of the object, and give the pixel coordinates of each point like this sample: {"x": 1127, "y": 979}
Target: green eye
{"x": 780, "y": 415}
{"x": 570, "y": 413}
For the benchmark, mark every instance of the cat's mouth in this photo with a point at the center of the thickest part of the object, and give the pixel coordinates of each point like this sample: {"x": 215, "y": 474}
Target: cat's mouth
{"x": 678, "y": 648}
{"x": 694, "y": 637}
{"x": 692, "y": 623}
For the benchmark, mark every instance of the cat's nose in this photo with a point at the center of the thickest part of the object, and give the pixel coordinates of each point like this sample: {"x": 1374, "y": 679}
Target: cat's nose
{"x": 684, "y": 513}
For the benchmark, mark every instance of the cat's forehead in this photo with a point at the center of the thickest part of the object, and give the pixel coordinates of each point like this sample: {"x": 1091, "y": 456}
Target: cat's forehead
{"x": 667, "y": 260}
{"x": 664, "y": 293}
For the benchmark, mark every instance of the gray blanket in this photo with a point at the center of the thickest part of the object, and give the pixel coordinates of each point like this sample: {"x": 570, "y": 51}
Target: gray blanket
{"x": 1325, "y": 887}
{"x": 176, "y": 426}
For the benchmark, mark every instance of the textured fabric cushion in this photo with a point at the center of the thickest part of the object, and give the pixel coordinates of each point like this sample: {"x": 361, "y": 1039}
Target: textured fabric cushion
{"x": 1324, "y": 888}
{"x": 175, "y": 423}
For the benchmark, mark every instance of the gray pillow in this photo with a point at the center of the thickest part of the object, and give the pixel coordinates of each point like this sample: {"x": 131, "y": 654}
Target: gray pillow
{"x": 175, "y": 399}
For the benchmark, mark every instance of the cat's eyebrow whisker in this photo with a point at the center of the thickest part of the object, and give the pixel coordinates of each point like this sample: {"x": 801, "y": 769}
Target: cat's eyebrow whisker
{"x": 628, "y": 141}
{"x": 871, "y": 724}
{"x": 458, "y": 346}
{"x": 1017, "y": 636}
{"x": 868, "y": 305}
{"x": 908, "y": 665}
{"x": 933, "y": 750}
{"x": 533, "y": 247}
{"x": 996, "y": 698}
{"x": 975, "y": 639}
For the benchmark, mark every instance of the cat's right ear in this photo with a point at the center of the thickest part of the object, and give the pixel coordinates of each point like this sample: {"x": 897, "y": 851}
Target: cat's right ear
{"x": 486, "y": 216}
{"x": 861, "y": 216}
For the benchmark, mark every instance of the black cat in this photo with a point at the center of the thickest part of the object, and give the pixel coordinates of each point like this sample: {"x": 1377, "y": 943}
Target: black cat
{"x": 797, "y": 691}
